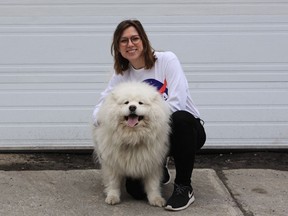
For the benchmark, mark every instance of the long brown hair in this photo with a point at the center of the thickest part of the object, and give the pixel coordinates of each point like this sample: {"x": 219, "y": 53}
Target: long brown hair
{"x": 121, "y": 64}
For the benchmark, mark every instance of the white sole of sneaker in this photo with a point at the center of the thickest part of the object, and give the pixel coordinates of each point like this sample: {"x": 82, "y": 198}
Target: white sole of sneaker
{"x": 170, "y": 208}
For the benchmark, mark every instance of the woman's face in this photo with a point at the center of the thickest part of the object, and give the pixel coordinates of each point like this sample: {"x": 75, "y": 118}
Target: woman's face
{"x": 131, "y": 47}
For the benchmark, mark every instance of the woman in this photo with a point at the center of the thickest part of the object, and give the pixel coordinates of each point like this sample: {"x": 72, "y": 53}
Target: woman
{"x": 135, "y": 60}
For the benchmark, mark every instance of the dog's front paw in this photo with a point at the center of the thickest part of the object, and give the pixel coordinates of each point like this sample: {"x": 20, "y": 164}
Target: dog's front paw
{"x": 112, "y": 199}
{"x": 157, "y": 201}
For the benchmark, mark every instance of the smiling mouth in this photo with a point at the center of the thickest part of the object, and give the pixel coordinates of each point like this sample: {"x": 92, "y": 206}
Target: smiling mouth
{"x": 133, "y": 120}
{"x": 131, "y": 50}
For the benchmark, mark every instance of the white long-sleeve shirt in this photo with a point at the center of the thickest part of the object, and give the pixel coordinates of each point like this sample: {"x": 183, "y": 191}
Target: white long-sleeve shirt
{"x": 167, "y": 75}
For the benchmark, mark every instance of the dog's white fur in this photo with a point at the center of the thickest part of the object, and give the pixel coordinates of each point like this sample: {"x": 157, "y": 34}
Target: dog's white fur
{"x": 136, "y": 149}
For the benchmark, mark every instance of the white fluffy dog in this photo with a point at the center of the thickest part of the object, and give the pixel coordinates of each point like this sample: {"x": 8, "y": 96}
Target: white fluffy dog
{"x": 132, "y": 139}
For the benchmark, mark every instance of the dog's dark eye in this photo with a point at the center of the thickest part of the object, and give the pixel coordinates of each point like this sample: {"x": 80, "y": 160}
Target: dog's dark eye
{"x": 126, "y": 102}
{"x": 140, "y": 102}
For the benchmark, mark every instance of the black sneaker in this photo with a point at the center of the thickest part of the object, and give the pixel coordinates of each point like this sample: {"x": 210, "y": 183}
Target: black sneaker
{"x": 166, "y": 174}
{"x": 182, "y": 197}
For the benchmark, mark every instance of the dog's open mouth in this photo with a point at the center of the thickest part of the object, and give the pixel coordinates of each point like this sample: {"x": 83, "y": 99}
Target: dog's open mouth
{"x": 133, "y": 120}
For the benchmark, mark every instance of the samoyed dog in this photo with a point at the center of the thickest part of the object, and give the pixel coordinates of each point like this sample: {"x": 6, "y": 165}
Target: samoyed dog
{"x": 132, "y": 139}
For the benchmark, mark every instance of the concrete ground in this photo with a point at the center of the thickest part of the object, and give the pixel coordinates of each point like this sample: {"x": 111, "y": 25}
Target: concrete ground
{"x": 77, "y": 191}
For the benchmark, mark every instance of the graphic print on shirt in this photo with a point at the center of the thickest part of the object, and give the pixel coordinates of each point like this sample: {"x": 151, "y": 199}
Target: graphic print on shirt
{"x": 161, "y": 87}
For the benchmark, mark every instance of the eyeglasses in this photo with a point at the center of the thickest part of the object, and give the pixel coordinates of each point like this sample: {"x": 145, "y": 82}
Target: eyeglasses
{"x": 124, "y": 41}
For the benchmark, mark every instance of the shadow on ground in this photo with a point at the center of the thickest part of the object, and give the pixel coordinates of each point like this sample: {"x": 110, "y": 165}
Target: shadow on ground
{"x": 84, "y": 160}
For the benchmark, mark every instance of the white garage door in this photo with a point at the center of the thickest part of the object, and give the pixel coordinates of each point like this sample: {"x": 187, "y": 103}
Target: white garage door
{"x": 55, "y": 59}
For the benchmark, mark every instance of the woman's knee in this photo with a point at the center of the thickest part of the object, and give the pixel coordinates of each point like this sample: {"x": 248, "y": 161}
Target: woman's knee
{"x": 187, "y": 128}
{"x": 182, "y": 118}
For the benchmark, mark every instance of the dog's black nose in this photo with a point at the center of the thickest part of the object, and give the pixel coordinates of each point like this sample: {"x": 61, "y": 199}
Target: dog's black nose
{"x": 132, "y": 108}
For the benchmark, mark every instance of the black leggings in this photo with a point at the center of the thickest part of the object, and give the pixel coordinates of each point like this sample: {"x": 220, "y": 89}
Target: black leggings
{"x": 186, "y": 138}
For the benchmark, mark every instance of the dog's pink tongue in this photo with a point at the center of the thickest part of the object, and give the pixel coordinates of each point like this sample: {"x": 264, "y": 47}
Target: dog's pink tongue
{"x": 132, "y": 121}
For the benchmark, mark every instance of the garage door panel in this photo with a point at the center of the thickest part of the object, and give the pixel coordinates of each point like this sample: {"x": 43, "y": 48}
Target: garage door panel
{"x": 136, "y": 8}
{"x": 238, "y": 85}
{"x": 45, "y": 132}
{"x": 51, "y": 78}
{"x": 241, "y": 143}
{"x": 275, "y": 131}
{"x": 55, "y": 49}
{"x": 48, "y": 99}
{"x": 45, "y": 115}
{"x": 245, "y": 114}
{"x": 233, "y": 76}
{"x": 246, "y": 48}
{"x": 230, "y": 97}
{"x": 40, "y": 145}
{"x": 74, "y": 86}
